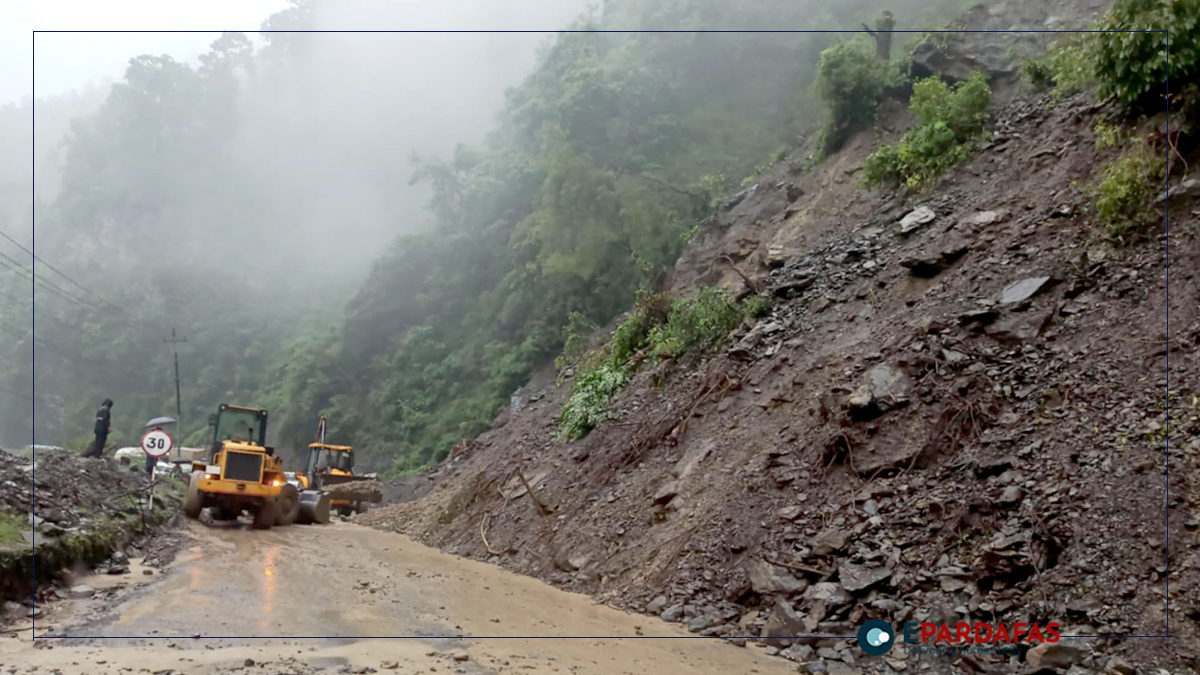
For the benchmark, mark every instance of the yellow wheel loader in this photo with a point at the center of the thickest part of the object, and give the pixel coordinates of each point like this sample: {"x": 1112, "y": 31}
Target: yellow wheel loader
{"x": 242, "y": 474}
{"x": 330, "y": 469}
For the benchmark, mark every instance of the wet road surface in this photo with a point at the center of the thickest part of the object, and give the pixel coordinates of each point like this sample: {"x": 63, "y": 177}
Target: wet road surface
{"x": 346, "y": 599}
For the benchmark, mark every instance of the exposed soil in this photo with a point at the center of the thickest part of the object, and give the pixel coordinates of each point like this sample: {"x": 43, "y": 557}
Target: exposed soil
{"x": 967, "y": 420}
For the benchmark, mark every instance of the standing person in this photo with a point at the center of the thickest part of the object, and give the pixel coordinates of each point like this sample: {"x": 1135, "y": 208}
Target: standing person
{"x": 103, "y": 420}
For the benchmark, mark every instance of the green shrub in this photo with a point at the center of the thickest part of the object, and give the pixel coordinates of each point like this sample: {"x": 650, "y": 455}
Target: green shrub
{"x": 757, "y": 305}
{"x": 1134, "y": 62}
{"x": 1107, "y": 135}
{"x": 949, "y": 119}
{"x": 852, "y": 81}
{"x": 700, "y": 322}
{"x": 588, "y": 405}
{"x": 11, "y": 527}
{"x": 1125, "y": 192}
{"x": 666, "y": 328}
{"x": 1067, "y": 66}
{"x": 575, "y": 336}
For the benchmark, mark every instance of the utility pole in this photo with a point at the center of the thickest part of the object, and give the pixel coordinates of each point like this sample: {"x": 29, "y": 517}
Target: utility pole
{"x": 178, "y": 405}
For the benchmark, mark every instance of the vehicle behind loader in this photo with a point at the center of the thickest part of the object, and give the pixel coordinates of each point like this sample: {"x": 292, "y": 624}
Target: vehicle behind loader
{"x": 242, "y": 474}
{"x": 330, "y": 469}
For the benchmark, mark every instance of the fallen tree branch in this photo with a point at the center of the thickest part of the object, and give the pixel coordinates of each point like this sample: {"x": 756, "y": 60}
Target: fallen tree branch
{"x": 797, "y": 568}
{"x": 658, "y": 181}
{"x": 483, "y": 534}
{"x": 533, "y": 495}
{"x": 753, "y": 286}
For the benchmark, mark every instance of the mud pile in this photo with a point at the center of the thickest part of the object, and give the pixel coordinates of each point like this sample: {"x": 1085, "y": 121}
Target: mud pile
{"x": 959, "y": 409}
{"x": 83, "y": 511}
{"x": 962, "y": 408}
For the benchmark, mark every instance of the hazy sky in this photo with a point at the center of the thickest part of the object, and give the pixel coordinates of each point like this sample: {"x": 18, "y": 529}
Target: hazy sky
{"x": 67, "y": 61}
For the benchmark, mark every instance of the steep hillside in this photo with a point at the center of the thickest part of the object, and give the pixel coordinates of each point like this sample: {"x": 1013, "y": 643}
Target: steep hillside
{"x": 967, "y": 418}
{"x": 961, "y": 407}
{"x": 958, "y": 408}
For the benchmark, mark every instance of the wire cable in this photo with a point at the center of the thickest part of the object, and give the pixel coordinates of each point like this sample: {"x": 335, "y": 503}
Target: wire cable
{"x": 63, "y": 275}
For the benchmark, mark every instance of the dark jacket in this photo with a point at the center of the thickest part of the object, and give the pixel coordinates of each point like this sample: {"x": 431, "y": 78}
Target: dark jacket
{"x": 103, "y": 418}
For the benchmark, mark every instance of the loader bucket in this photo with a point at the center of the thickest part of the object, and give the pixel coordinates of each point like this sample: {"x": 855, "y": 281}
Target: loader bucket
{"x": 314, "y": 507}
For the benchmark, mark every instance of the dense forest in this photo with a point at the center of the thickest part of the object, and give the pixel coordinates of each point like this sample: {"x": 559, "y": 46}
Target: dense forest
{"x": 219, "y": 199}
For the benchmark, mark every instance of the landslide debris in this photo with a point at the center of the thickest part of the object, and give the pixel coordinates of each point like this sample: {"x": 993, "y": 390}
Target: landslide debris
{"x": 962, "y": 408}
{"x": 86, "y": 514}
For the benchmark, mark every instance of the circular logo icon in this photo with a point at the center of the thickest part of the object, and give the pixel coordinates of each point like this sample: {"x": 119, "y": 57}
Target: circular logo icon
{"x": 876, "y": 637}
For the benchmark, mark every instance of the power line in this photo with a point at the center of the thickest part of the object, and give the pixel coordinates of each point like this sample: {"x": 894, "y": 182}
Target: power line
{"x": 27, "y": 273}
{"x": 19, "y": 395}
{"x": 40, "y": 342}
{"x": 63, "y": 275}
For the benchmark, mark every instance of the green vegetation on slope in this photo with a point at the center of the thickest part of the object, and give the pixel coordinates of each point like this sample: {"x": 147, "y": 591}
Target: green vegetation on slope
{"x": 948, "y": 121}
{"x": 599, "y": 166}
{"x": 11, "y": 527}
{"x": 660, "y": 327}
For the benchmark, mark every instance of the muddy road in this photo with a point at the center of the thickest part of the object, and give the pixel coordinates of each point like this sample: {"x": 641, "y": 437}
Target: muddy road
{"x": 324, "y": 599}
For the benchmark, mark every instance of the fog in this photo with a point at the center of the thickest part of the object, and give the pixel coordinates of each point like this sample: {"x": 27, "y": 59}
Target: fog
{"x": 326, "y": 143}
{"x": 304, "y": 193}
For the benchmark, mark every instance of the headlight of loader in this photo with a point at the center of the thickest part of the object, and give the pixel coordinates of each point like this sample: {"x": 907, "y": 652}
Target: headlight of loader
{"x": 276, "y": 482}
{"x": 213, "y": 470}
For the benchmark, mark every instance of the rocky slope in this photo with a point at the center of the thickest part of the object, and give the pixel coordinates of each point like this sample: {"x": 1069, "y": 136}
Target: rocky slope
{"x": 962, "y": 407}
{"x": 88, "y": 513}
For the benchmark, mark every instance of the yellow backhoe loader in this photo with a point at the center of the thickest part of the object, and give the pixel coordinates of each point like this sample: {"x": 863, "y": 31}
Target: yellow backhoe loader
{"x": 242, "y": 474}
{"x": 330, "y": 469}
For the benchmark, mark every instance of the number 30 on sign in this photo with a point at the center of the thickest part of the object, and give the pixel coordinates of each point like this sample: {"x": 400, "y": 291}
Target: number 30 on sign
{"x": 157, "y": 443}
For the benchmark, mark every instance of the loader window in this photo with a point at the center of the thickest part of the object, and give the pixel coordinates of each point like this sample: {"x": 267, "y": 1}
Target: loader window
{"x": 343, "y": 461}
{"x": 239, "y": 425}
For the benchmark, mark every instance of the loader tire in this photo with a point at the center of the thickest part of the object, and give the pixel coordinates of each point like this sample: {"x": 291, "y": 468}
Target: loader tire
{"x": 193, "y": 502}
{"x": 267, "y": 514}
{"x": 289, "y": 505}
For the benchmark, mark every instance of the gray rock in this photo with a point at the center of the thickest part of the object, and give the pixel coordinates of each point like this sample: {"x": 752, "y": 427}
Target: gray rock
{"x": 766, "y": 578}
{"x": 981, "y": 218}
{"x": 12, "y": 609}
{"x": 701, "y": 623}
{"x": 1023, "y": 290}
{"x": 860, "y": 577}
{"x": 666, "y": 493}
{"x": 1011, "y": 495}
{"x": 783, "y": 623}
{"x": 833, "y": 595}
{"x": 657, "y": 605}
{"x": 119, "y": 558}
{"x": 828, "y": 654}
{"x": 916, "y": 218}
{"x": 885, "y": 388}
{"x": 1019, "y": 327}
{"x": 871, "y": 507}
{"x": 801, "y": 653}
{"x": 828, "y": 541}
{"x": 1118, "y": 666}
{"x": 951, "y": 62}
{"x": 81, "y": 591}
{"x": 1054, "y": 655}
{"x": 672, "y": 614}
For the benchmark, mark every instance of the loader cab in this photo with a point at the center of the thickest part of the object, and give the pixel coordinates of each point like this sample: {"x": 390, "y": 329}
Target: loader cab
{"x": 330, "y": 460}
{"x": 238, "y": 425}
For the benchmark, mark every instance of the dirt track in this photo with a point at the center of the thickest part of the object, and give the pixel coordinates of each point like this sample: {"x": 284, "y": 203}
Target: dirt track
{"x": 310, "y": 600}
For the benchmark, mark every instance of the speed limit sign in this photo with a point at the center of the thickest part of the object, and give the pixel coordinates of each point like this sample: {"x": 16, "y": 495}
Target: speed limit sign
{"x": 157, "y": 443}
